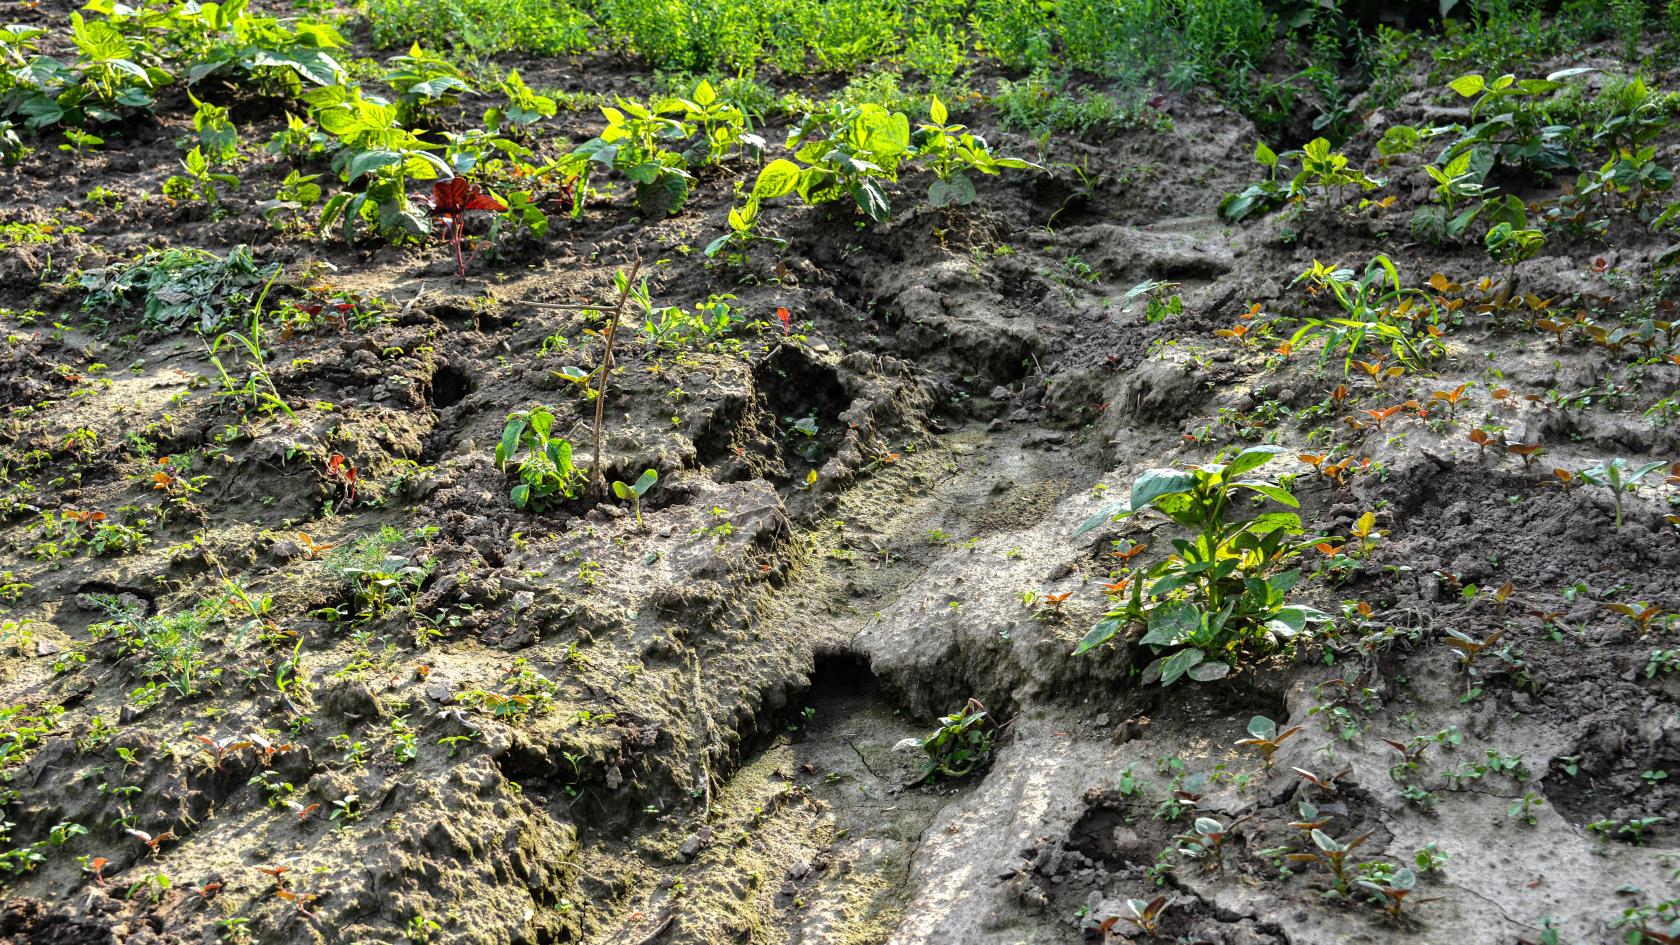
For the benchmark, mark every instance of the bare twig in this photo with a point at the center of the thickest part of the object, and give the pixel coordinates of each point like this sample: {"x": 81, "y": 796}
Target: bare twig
{"x": 658, "y": 930}
{"x": 558, "y": 306}
{"x": 595, "y": 471}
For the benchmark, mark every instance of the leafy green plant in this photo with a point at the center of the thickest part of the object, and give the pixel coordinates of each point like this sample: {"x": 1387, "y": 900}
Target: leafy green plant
{"x": 217, "y": 137}
{"x": 633, "y": 144}
{"x": 376, "y": 159}
{"x": 424, "y": 82}
{"x": 951, "y": 152}
{"x": 633, "y": 492}
{"x": 960, "y": 745}
{"x": 199, "y": 182}
{"x": 1329, "y": 173}
{"x": 1375, "y": 307}
{"x": 849, "y": 150}
{"x": 181, "y": 287}
{"x": 776, "y": 179}
{"x": 1221, "y": 597}
{"x": 545, "y": 469}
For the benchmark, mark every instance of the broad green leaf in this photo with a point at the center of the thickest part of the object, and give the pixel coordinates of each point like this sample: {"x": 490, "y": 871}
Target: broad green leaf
{"x": 1155, "y": 483}
{"x": 777, "y": 179}
{"x": 1172, "y": 623}
{"x": 937, "y": 112}
{"x": 1270, "y": 491}
{"x": 1101, "y": 632}
{"x": 1103, "y": 515}
{"x": 1467, "y": 85}
{"x": 645, "y": 482}
{"x": 1252, "y": 458}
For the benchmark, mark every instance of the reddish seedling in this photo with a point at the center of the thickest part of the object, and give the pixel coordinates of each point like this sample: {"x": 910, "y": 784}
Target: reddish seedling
{"x": 1053, "y": 603}
{"x": 1265, "y": 738}
{"x": 1483, "y": 439}
{"x": 1379, "y": 374}
{"x": 96, "y": 867}
{"x": 221, "y": 748}
{"x": 1327, "y": 784}
{"x": 152, "y": 843}
{"x": 1528, "y": 451}
{"x": 1451, "y": 398}
{"x": 1146, "y": 916}
{"x": 785, "y": 317}
{"x": 344, "y": 476}
{"x": 88, "y": 519}
{"x": 312, "y": 549}
{"x": 1469, "y": 647}
{"x": 450, "y": 202}
{"x": 1641, "y": 615}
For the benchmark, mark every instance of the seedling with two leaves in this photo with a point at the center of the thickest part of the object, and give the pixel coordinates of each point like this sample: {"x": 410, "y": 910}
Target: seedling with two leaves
{"x": 1392, "y": 892}
{"x": 633, "y": 492}
{"x": 1265, "y": 738}
{"x": 1333, "y": 854}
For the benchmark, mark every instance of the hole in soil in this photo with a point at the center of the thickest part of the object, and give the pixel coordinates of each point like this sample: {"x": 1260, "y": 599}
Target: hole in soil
{"x": 841, "y": 683}
{"x": 449, "y": 385}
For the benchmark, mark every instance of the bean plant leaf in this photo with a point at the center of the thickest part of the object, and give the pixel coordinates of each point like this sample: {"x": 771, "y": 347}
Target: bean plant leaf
{"x": 1155, "y": 483}
{"x": 1252, "y": 458}
{"x": 778, "y": 179}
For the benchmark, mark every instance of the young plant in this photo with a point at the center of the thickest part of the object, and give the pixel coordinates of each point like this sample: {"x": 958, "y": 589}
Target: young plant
{"x": 1510, "y": 245}
{"x": 850, "y": 149}
{"x": 546, "y": 470}
{"x": 633, "y": 492}
{"x": 1391, "y": 892}
{"x": 199, "y": 182}
{"x": 1616, "y": 475}
{"x": 777, "y": 179}
{"x": 1265, "y": 738}
{"x": 1221, "y": 596}
{"x": 450, "y": 202}
{"x": 1328, "y": 172}
{"x": 951, "y": 153}
{"x": 960, "y": 745}
{"x": 1333, "y": 854}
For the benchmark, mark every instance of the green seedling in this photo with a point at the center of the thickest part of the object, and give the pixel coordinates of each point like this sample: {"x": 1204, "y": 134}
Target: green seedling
{"x": 633, "y": 492}
{"x": 1333, "y": 854}
{"x": 546, "y": 471}
{"x": 960, "y": 745}
{"x": 1265, "y": 737}
{"x": 1392, "y": 891}
{"x": 1616, "y": 475}
{"x": 1206, "y": 841}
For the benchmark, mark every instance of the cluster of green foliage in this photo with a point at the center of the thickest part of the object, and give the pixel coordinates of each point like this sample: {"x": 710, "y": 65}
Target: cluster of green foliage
{"x": 1222, "y": 597}
{"x": 179, "y": 288}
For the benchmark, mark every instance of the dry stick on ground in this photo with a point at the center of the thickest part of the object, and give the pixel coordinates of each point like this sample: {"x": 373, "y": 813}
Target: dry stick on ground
{"x": 595, "y": 472}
